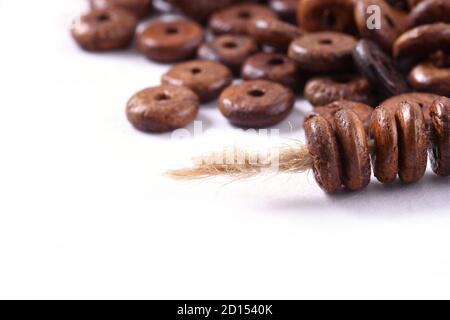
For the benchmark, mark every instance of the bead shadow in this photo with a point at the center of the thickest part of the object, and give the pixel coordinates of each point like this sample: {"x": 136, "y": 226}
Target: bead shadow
{"x": 376, "y": 200}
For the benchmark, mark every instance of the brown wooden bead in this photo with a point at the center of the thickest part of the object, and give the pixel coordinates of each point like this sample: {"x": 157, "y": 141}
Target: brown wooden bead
{"x": 352, "y": 141}
{"x": 200, "y": 10}
{"x": 424, "y": 100}
{"x": 324, "y": 152}
{"x": 393, "y": 22}
{"x": 440, "y": 149}
{"x": 423, "y": 40}
{"x": 162, "y": 109}
{"x": 273, "y": 32}
{"x": 231, "y": 50}
{"x": 363, "y": 111}
{"x": 236, "y": 19}
{"x": 271, "y": 66}
{"x": 432, "y": 75}
{"x": 383, "y": 131}
{"x": 323, "y": 51}
{"x": 140, "y": 8}
{"x": 170, "y": 41}
{"x": 412, "y": 142}
{"x": 320, "y": 91}
{"x": 381, "y": 70}
{"x": 106, "y": 29}
{"x": 206, "y": 78}
{"x": 326, "y": 15}
{"x": 285, "y": 9}
{"x": 255, "y": 104}
{"x": 430, "y": 11}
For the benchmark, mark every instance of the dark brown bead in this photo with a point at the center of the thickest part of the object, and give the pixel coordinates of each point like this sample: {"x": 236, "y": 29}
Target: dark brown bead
{"x": 200, "y": 10}
{"x": 326, "y": 15}
{"x": 352, "y": 141}
{"x": 140, "y": 8}
{"x": 423, "y": 40}
{"x": 206, "y": 78}
{"x": 324, "y": 152}
{"x": 256, "y": 104}
{"x": 320, "y": 91}
{"x": 424, "y": 100}
{"x": 231, "y": 50}
{"x": 393, "y": 22}
{"x": 381, "y": 70}
{"x": 440, "y": 149}
{"x": 273, "y": 32}
{"x": 162, "y": 109}
{"x": 383, "y": 131}
{"x": 170, "y": 41}
{"x": 430, "y": 11}
{"x": 432, "y": 76}
{"x": 323, "y": 51}
{"x": 102, "y": 30}
{"x": 285, "y": 9}
{"x": 363, "y": 111}
{"x": 236, "y": 19}
{"x": 412, "y": 142}
{"x": 271, "y": 66}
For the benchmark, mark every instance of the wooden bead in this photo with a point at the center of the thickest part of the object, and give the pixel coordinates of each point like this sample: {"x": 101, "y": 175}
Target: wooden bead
{"x": 231, "y": 50}
{"x": 430, "y": 11}
{"x": 412, "y": 141}
{"x": 383, "y": 131}
{"x": 236, "y": 19}
{"x": 320, "y": 91}
{"x": 381, "y": 70}
{"x": 104, "y": 29}
{"x": 432, "y": 75}
{"x": 323, "y": 51}
{"x": 423, "y": 40}
{"x": 170, "y": 41}
{"x": 326, "y": 15}
{"x": 440, "y": 148}
{"x": 256, "y": 104}
{"x": 352, "y": 140}
{"x": 324, "y": 152}
{"x": 162, "y": 109}
{"x": 206, "y": 78}
{"x": 271, "y": 66}
{"x": 273, "y": 32}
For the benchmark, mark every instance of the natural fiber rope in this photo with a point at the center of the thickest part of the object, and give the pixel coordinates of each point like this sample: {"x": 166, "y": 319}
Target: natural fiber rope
{"x": 242, "y": 163}
{"x": 293, "y": 157}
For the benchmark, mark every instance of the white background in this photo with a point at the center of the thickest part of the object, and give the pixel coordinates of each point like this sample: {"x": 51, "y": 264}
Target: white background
{"x": 86, "y": 212}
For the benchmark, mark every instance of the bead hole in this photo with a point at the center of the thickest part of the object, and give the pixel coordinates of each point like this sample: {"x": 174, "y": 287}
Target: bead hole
{"x": 230, "y": 45}
{"x": 244, "y": 15}
{"x": 162, "y": 96}
{"x": 325, "y": 41}
{"x": 103, "y": 17}
{"x": 171, "y": 30}
{"x": 256, "y": 93}
{"x": 196, "y": 71}
{"x": 276, "y": 61}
